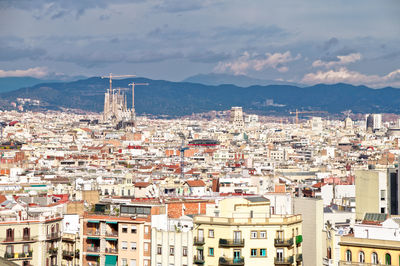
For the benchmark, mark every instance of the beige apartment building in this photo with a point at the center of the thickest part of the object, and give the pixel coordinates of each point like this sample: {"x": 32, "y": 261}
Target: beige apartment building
{"x": 116, "y": 240}
{"x": 31, "y": 240}
{"x": 242, "y": 231}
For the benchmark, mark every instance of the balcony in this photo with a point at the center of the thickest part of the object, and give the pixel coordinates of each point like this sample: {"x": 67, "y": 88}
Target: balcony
{"x": 68, "y": 254}
{"x": 111, "y": 250}
{"x": 54, "y": 236}
{"x": 231, "y": 242}
{"x": 93, "y": 232}
{"x": 19, "y": 239}
{"x": 18, "y": 256}
{"x": 228, "y": 261}
{"x": 284, "y": 261}
{"x": 353, "y": 263}
{"x": 53, "y": 251}
{"x": 198, "y": 241}
{"x": 198, "y": 259}
{"x": 299, "y": 257}
{"x": 279, "y": 242}
{"x": 93, "y": 249}
{"x": 112, "y": 233}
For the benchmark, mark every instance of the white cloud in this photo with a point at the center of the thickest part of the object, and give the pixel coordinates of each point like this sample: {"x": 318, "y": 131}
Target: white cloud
{"x": 343, "y": 75}
{"x": 341, "y": 60}
{"x": 248, "y": 62}
{"x": 36, "y": 72}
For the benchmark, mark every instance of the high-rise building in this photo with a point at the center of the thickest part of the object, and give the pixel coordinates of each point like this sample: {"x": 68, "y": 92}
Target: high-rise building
{"x": 374, "y": 122}
{"x": 237, "y": 116}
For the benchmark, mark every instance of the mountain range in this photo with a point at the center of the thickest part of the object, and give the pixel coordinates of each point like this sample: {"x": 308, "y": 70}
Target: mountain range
{"x": 184, "y": 98}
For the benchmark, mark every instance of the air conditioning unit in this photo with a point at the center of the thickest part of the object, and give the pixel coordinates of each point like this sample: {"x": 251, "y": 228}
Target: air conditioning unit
{"x": 133, "y": 217}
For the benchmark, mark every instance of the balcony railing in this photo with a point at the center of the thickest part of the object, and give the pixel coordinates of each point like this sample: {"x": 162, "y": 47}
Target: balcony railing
{"x": 53, "y": 235}
{"x": 14, "y": 256}
{"x": 112, "y": 233}
{"x": 111, "y": 250}
{"x": 19, "y": 239}
{"x": 198, "y": 259}
{"x": 231, "y": 242}
{"x": 198, "y": 241}
{"x": 93, "y": 232}
{"x": 93, "y": 249}
{"x": 353, "y": 263}
{"x": 279, "y": 242}
{"x": 53, "y": 251}
{"x": 284, "y": 261}
{"x": 229, "y": 261}
{"x": 68, "y": 254}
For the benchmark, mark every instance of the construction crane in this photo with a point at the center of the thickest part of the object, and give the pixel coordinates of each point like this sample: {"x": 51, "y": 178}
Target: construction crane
{"x": 133, "y": 84}
{"x": 111, "y": 76}
{"x": 306, "y": 112}
{"x": 182, "y": 153}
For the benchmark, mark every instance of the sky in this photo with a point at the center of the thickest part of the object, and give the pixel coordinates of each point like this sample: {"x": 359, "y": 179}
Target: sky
{"x": 309, "y": 42}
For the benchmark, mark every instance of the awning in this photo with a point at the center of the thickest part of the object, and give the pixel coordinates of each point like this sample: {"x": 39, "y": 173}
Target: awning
{"x": 93, "y": 237}
{"x": 201, "y": 248}
{"x": 94, "y": 222}
{"x": 111, "y": 239}
{"x": 93, "y": 255}
{"x": 111, "y": 260}
{"x": 111, "y": 222}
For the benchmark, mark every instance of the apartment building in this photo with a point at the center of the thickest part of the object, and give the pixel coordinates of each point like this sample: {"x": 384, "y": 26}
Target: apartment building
{"x": 116, "y": 240}
{"x": 31, "y": 240}
{"x": 239, "y": 231}
{"x": 374, "y": 241}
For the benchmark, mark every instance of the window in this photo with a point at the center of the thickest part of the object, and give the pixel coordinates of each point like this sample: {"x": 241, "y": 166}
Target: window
{"x": 263, "y": 252}
{"x": 253, "y": 252}
{"x": 146, "y": 247}
{"x": 26, "y": 233}
{"x": 133, "y": 245}
{"x": 124, "y": 245}
{"x": 184, "y": 251}
{"x": 383, "y": 210}
{"x": 348, "y": 255}
{"x": 124, "y": 262}
{"x": 388, "y": 259}
{"x": 263, "y": 234}
{"x": 10, "y": 234}
{"x": 146, "y": 229}
{"x": 253, "y": 234}
{"x": 133, "y": 229}
{"x": 159, "y": 249}
{"x": 133, "y": 263}
{"x": 211, "y": 233}
{"x": 25, "y": 248}
{"x": 125, "y": 229}
{"x": 122, "y": 193}
{"x": 171, "y": 250}
{"x": 9, "y": 249}
{"x": 146, "y": 263}
{"x": 374, "y": 258}
{"x": 210, "y": 251}
{"x": 383, "y": 194}
{"x": 129, "y": 192}
{"x": 361, "y": 257}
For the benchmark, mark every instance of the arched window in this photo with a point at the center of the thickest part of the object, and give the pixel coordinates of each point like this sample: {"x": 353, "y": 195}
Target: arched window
{"x": 388, "y": 259}
{"x": 361, "y": 257}
{"x": 348, "y": 255}
{"x": 26, "y": 233}
{"x": 10, "y": 234}
{"x": 374, "y": 258}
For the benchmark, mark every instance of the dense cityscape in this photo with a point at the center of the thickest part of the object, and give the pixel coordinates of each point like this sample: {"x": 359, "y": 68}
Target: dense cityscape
{"x": 120, "y": 189}
{"x": 199, "y": 133}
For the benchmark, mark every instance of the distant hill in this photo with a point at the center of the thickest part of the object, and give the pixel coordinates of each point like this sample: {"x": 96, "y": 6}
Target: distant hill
{"x": 182, "y": 98}
{"x": 215, "y": 79}
{"x": 14, "y": 83}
